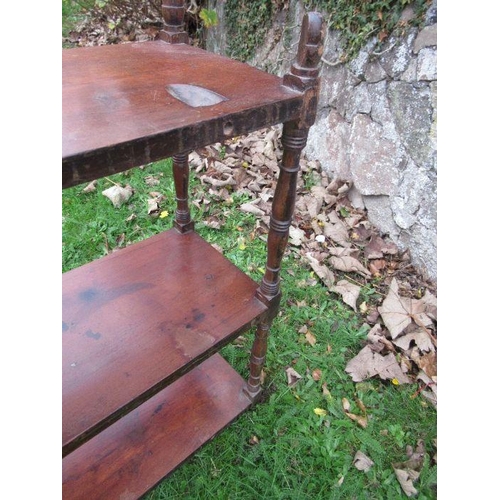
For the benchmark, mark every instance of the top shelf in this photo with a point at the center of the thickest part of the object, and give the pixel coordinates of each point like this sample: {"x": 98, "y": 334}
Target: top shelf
{"x": 131, "y": 104}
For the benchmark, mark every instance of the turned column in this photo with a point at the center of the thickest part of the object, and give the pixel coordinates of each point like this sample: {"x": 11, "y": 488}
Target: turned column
{"x": 173, "y": 17}
{"x": 304, "y": 77}
{"x": 182, "y": 221}
{"x": 173, "y": 32}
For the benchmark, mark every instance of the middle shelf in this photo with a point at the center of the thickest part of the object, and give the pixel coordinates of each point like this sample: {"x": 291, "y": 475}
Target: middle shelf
{"x": 178, "y": 300}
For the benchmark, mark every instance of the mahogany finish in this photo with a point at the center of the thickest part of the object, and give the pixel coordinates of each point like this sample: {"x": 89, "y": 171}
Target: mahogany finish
{"x": 180, "y": 168}
{"x": 137, "y": 319}
{"x": 303, "y": 76}
{"x": 133, "y": 455}
{"x": 173, "y": 16}
{"x": 143, "y": 385}
{"x": 118, "y": 112}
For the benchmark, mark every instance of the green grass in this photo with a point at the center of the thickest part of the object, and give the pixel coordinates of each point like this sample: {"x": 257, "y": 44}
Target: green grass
{"x": 299, "y": 454}
{"x": 73, "y": 12}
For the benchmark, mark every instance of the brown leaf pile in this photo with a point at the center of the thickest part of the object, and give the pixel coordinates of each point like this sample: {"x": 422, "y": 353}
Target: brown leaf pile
{"x": 344, "y": 250}
{"x": 122, "y": 21}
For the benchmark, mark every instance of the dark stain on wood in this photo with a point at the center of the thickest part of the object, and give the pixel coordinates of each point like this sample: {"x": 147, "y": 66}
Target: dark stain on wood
{"x": 90, "y": 334}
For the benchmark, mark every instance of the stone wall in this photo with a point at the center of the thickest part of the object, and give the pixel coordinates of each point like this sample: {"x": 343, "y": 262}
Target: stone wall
{"x": 376, "y": 125}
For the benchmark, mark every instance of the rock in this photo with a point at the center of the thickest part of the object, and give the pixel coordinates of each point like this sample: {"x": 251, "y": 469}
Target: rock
{"x": 426, "y": 38}
{"x": 374, "y": 159}
{"x": 427, "y": 64}
{"x": 396, "y": 60}
{"x": 412, "y": 112}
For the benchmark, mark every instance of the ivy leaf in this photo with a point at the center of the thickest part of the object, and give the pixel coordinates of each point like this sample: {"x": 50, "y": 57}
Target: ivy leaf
{"x": 209, "y": 17}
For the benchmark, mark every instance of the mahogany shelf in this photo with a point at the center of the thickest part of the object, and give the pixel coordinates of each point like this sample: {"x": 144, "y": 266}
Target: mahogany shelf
{"x": 137, "y": 319}
{"x": 119, "y": 113}
{"x": 131, "y": 456}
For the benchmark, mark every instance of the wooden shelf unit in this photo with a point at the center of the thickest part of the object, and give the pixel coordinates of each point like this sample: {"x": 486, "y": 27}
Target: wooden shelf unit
{"x": 143, "y": 384}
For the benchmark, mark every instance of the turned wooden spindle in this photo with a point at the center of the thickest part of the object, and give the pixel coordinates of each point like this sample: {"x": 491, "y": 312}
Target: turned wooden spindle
{"x": 183, "y": 221}
{"x": 257, "y": 359}
{"x": 303, "y": 76}
{"x": 173, "y": 17}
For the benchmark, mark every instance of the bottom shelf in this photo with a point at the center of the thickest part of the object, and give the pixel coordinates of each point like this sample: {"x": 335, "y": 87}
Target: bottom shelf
{"x": 131, "y": 456}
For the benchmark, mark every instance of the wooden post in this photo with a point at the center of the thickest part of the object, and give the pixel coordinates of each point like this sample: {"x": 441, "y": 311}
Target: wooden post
{"x": 173, "y": 16}
{"x": 257, "y": 359}
{"x": 303, "y": 76}
{"x": 183, "y": 221}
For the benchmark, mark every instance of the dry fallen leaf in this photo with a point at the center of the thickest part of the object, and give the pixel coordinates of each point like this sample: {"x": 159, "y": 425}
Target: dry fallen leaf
{"x": 313, "y": 205}
{"x": 431, "y": 383}
{"x": 362, "y": 462}
{"x": 320, "y": 411}
{"x": 377, "y": 247}
{"x": 292, "y": 376}
{"x": 429, "y": 302}
{"x": 252, "y": 209}
{"x": 395, "y": 310}
{"x": 118, "y": 195}
{"x": 90, "y": 187}
{"x": 316, "y": 374}
{"x": 428, "y": 363}
{"x": 326, "y": 392}
{"x": 349, "y": 292}
{"x": 253, "y": 440}
{"x": 361, "y": 405}
{"x": 229, "y": 181}
{"x": 361, "y": 421}
{"x": 343, "y": 261}
{"x": 153, "y": 207}
{"x": 349, "y": 264}
{"x": 296, "y": 236}
{"x": 151, "y": 180}
{"x": 326, "y": 276}
{"x": 368, "y": 364}
{"x": 409, "y": 471}
{"x": 310, "y": 338}
{"x": 213, "y": 222}
{"x": 419, "y": 336}
{"x": 399, "y": 312}
{"x": 338, "y": 233}
{"x": 406, "y": 478}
